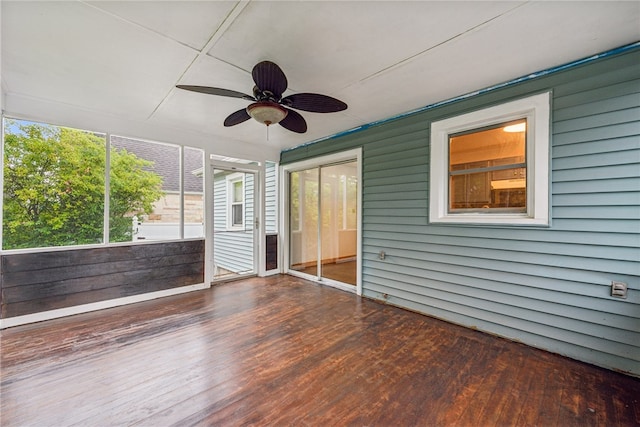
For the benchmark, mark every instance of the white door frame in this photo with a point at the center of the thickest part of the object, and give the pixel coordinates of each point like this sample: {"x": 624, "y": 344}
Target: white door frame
{"x": 258, "y": 215}
{"x": 343, "y": 156}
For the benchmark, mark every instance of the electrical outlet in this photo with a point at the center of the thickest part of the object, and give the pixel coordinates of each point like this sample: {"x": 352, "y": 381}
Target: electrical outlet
{"x": 618, "y": 289}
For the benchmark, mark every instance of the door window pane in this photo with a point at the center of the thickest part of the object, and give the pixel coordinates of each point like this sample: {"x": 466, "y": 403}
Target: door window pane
{"x": 338, "y": 242}
{"x": 233, "y": 230}
{"x": 303, "y": 237}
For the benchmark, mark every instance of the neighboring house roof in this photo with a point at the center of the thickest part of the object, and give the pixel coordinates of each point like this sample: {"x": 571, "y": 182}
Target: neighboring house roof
{"x": 165, "y": 164}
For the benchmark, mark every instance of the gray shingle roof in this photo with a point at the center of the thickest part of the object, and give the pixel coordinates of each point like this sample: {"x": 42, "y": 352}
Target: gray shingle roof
{"x": 165, "y": 162}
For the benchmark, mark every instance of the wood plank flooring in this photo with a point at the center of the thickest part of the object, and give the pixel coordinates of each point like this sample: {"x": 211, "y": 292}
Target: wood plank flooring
{"x": 281, "y": 351}
{"x": 344, "y": 272}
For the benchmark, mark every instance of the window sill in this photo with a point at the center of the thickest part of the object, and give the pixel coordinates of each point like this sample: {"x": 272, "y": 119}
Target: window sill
{"x": 490, "y": 220}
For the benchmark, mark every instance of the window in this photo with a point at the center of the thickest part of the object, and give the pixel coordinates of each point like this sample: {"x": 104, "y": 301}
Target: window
{"x": 146, "y": 176}
{"x": 487, "y": 169}
{"x": 492, "y": 166}
{"x": 56, "y": 184}
{"x": 193, "y": 192}
{"x": 144, "y": 190}
{"x": 236, "y": 201}
{"x": 54, "y": 187}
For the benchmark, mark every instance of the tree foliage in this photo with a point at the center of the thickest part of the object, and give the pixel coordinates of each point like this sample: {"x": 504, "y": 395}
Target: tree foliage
{"x": 54, "y": 187}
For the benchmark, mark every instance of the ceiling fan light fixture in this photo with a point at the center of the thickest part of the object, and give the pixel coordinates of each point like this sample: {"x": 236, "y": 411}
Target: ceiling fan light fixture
{"x": 267, "y": 112}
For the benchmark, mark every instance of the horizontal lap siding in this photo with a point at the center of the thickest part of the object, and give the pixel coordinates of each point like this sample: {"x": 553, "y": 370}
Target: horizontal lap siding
{"x": 548, "y": 287}
{"x": 270, "y": 198}
{"x": 233, "y": 249}
{"x": 42, "y": 281}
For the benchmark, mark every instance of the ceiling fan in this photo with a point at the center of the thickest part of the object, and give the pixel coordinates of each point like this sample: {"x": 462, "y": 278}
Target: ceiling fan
{"x": 269, "y": 107}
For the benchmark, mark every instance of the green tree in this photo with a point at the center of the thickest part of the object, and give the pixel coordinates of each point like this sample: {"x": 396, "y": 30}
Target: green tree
{"x": 54, "y": 183}
{"x": 134, "y": 190}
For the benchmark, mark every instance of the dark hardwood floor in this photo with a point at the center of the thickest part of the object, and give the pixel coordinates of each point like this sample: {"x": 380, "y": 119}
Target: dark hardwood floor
{"x": 281, "y": 351}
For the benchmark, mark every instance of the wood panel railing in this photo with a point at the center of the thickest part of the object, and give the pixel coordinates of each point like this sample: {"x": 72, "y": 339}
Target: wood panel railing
{"x": 41, "y": 281}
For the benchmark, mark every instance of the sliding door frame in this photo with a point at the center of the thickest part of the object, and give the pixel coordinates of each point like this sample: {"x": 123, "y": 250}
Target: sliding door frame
{"x": 317, "y": 162}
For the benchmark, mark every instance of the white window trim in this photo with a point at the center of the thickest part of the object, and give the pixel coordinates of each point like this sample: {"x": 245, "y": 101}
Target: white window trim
{"x": 536, "y": 109}
{"x": 232, "y": 179}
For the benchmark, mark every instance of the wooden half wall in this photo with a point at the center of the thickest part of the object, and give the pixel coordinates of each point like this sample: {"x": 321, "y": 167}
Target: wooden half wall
{"x": 41, "y": 281}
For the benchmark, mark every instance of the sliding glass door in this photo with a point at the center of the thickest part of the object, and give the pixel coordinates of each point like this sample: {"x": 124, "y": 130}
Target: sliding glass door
{"x": 323, "y": 222}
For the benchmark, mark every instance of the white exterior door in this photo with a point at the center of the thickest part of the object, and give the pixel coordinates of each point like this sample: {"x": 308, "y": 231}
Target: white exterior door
{"x": 235, "y": 221}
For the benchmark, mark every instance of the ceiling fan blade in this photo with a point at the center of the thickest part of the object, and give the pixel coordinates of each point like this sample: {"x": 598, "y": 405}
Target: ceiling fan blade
{"x": 217, "y": 91}
{"x": 237, "y": 118}
{"x": 294, "y": 122}
{"x": 314, "y": 102}
{"x": 269, "y": 77}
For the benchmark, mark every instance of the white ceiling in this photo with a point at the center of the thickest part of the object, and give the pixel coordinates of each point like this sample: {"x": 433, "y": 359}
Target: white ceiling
{"x": 113, "y": 65}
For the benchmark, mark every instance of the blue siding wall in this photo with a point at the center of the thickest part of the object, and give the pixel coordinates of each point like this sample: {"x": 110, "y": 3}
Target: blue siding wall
{"x": 547, "y": 287}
